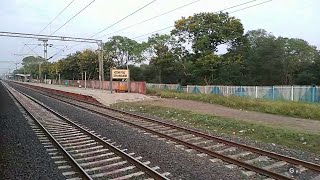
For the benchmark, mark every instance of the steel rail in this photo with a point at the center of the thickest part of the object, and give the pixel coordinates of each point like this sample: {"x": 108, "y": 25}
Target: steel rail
{"x": 154, "y": 174}
{"x": 192, "y": 146}
{"x": 66, "y": 154}
{"x": 309, "y": 165}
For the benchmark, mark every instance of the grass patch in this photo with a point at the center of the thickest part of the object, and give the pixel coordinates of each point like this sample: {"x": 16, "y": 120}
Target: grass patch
{"x": 268, "y": 134}
{"x": 287, "y": 108}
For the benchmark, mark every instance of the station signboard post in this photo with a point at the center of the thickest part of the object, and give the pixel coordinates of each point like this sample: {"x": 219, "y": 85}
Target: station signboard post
{"x": 120, "y": 74}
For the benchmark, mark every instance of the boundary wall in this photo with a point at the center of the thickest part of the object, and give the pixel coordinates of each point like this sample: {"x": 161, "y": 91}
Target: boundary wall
{"x": 291, "y": 93}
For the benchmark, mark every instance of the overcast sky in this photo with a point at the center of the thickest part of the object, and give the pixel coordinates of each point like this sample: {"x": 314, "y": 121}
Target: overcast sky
{"x": 289, "y": 18}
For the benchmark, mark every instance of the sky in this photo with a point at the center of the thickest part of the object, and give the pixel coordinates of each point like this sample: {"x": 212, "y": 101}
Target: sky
{"x": 287, "y": 18}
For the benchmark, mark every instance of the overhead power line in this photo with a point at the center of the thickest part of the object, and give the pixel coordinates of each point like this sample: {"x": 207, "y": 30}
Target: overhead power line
{"x": 56, "y": 16}
{"x": 110, "y": 25}
{"x": 124, "y": 18}
{"x": 175, "y": 10}
{"x": 53, "y": 38}
{"x": 73, "y": 17}
{"x": 31, "y": 50}
{"x": 231, "y": 7}
{"x": 52, "y": 22}
{"x": 137, "y": 37}
{"x": 154, "y": 17}
{"x": 250, "y": 6}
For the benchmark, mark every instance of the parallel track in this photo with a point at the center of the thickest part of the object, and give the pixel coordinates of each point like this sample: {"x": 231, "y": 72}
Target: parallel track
{"x": 201, "y": 142}
{"x": 87, "y": 155}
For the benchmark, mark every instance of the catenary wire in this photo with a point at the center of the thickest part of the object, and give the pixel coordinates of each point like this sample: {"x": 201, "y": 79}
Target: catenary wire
{"x": 52, "y": 22}
{"x": 111, "y": 25}
{"x": 149, "y": 19}
{"x": 231, "y": 7}
{"x": 137, "y": 37}
{"x": 73, "y": 17}
{"x": 56, "y": 17}
{"x": 68, "y": 22}
{"x": 123, "y": 18}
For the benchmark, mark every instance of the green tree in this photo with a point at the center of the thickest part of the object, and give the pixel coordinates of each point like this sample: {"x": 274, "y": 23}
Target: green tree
{"x": 88, "y": 61}
{"x": 69, "y": 68}
{"x": 31, "y": 65}
{"x": 206, "y": 31}
{"x": 123, "y": 51}
{"x": 163, "y": 54}
{"x": 298, "y": 55}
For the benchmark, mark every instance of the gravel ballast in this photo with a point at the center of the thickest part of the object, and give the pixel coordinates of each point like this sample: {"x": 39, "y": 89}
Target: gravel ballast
{"x": 179, "y": 163}
{"x": 22, "y": 156}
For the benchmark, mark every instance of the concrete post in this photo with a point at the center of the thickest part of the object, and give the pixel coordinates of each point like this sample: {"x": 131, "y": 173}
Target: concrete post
{"x": 272, "y": 92}
{"x": 85, "y": 80}
{"x": 256, "y": 92}
{"x": 292, "y": 96}
{"x": 59, "y": 79}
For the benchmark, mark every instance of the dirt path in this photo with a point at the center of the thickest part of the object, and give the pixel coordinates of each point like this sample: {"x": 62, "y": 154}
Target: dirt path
{"x": 303, "y": 125}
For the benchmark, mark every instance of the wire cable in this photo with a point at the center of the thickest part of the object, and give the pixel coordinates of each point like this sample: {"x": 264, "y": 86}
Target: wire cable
{"x": 73, "y": 17}
{"x": 67, "y": 22}
{"x": 250, "y": 6}
{"x": 137, "y": 37}
{"x": 58, "y": 53}
{"x": 123, "y": 18}
{"x": 154, "y": 17}
{"x": 56, "y": 17}
{"x": 231, "y": 7}
{"x": 112, "y": 24}
{"x": 52, "y": 22}
{"x": 32, "y": 50}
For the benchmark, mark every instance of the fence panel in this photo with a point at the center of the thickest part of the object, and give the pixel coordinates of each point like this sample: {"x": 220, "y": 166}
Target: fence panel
{"x": 290, "y": 93}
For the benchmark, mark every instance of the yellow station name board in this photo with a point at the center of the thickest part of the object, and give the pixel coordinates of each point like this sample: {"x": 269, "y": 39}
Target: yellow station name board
{"x": 120, "y": 74}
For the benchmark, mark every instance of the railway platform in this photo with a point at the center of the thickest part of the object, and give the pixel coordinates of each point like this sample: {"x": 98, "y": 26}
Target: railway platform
{"x": 103, "y": 96}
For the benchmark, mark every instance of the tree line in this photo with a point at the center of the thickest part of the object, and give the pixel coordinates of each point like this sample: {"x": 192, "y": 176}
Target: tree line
{"x": 189, "y": 55}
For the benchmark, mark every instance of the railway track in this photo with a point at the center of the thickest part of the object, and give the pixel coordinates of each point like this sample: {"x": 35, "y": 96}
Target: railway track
{"x": 80, "y": 153}
{"x": 253, "y": 160}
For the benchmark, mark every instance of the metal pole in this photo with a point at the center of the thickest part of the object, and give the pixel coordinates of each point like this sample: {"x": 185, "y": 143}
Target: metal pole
{"x": 85, "y": 80}
{"x": 101, "y": 62}
{"x": 59, "y": 80}
{"x": 39, "y": 71}
{"x": 100, "y": 65}
{"x": 45, "y": 79}
{"x": 111, "y": 80}
{"x": 45, "y": 47}
{"x": 128, "y": 81}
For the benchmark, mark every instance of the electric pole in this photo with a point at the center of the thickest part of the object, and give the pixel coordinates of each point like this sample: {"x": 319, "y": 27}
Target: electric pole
{"x": 45, "y": 53}
{"x": 101, "y": 71}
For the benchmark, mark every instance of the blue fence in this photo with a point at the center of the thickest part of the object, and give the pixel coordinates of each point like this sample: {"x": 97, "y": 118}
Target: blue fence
{"x": 292, "y": 93}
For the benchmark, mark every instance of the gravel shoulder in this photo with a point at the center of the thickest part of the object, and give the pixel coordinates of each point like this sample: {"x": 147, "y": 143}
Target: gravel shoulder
{"x": 299, "y": 124}
{"x": 22, "y": 156}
